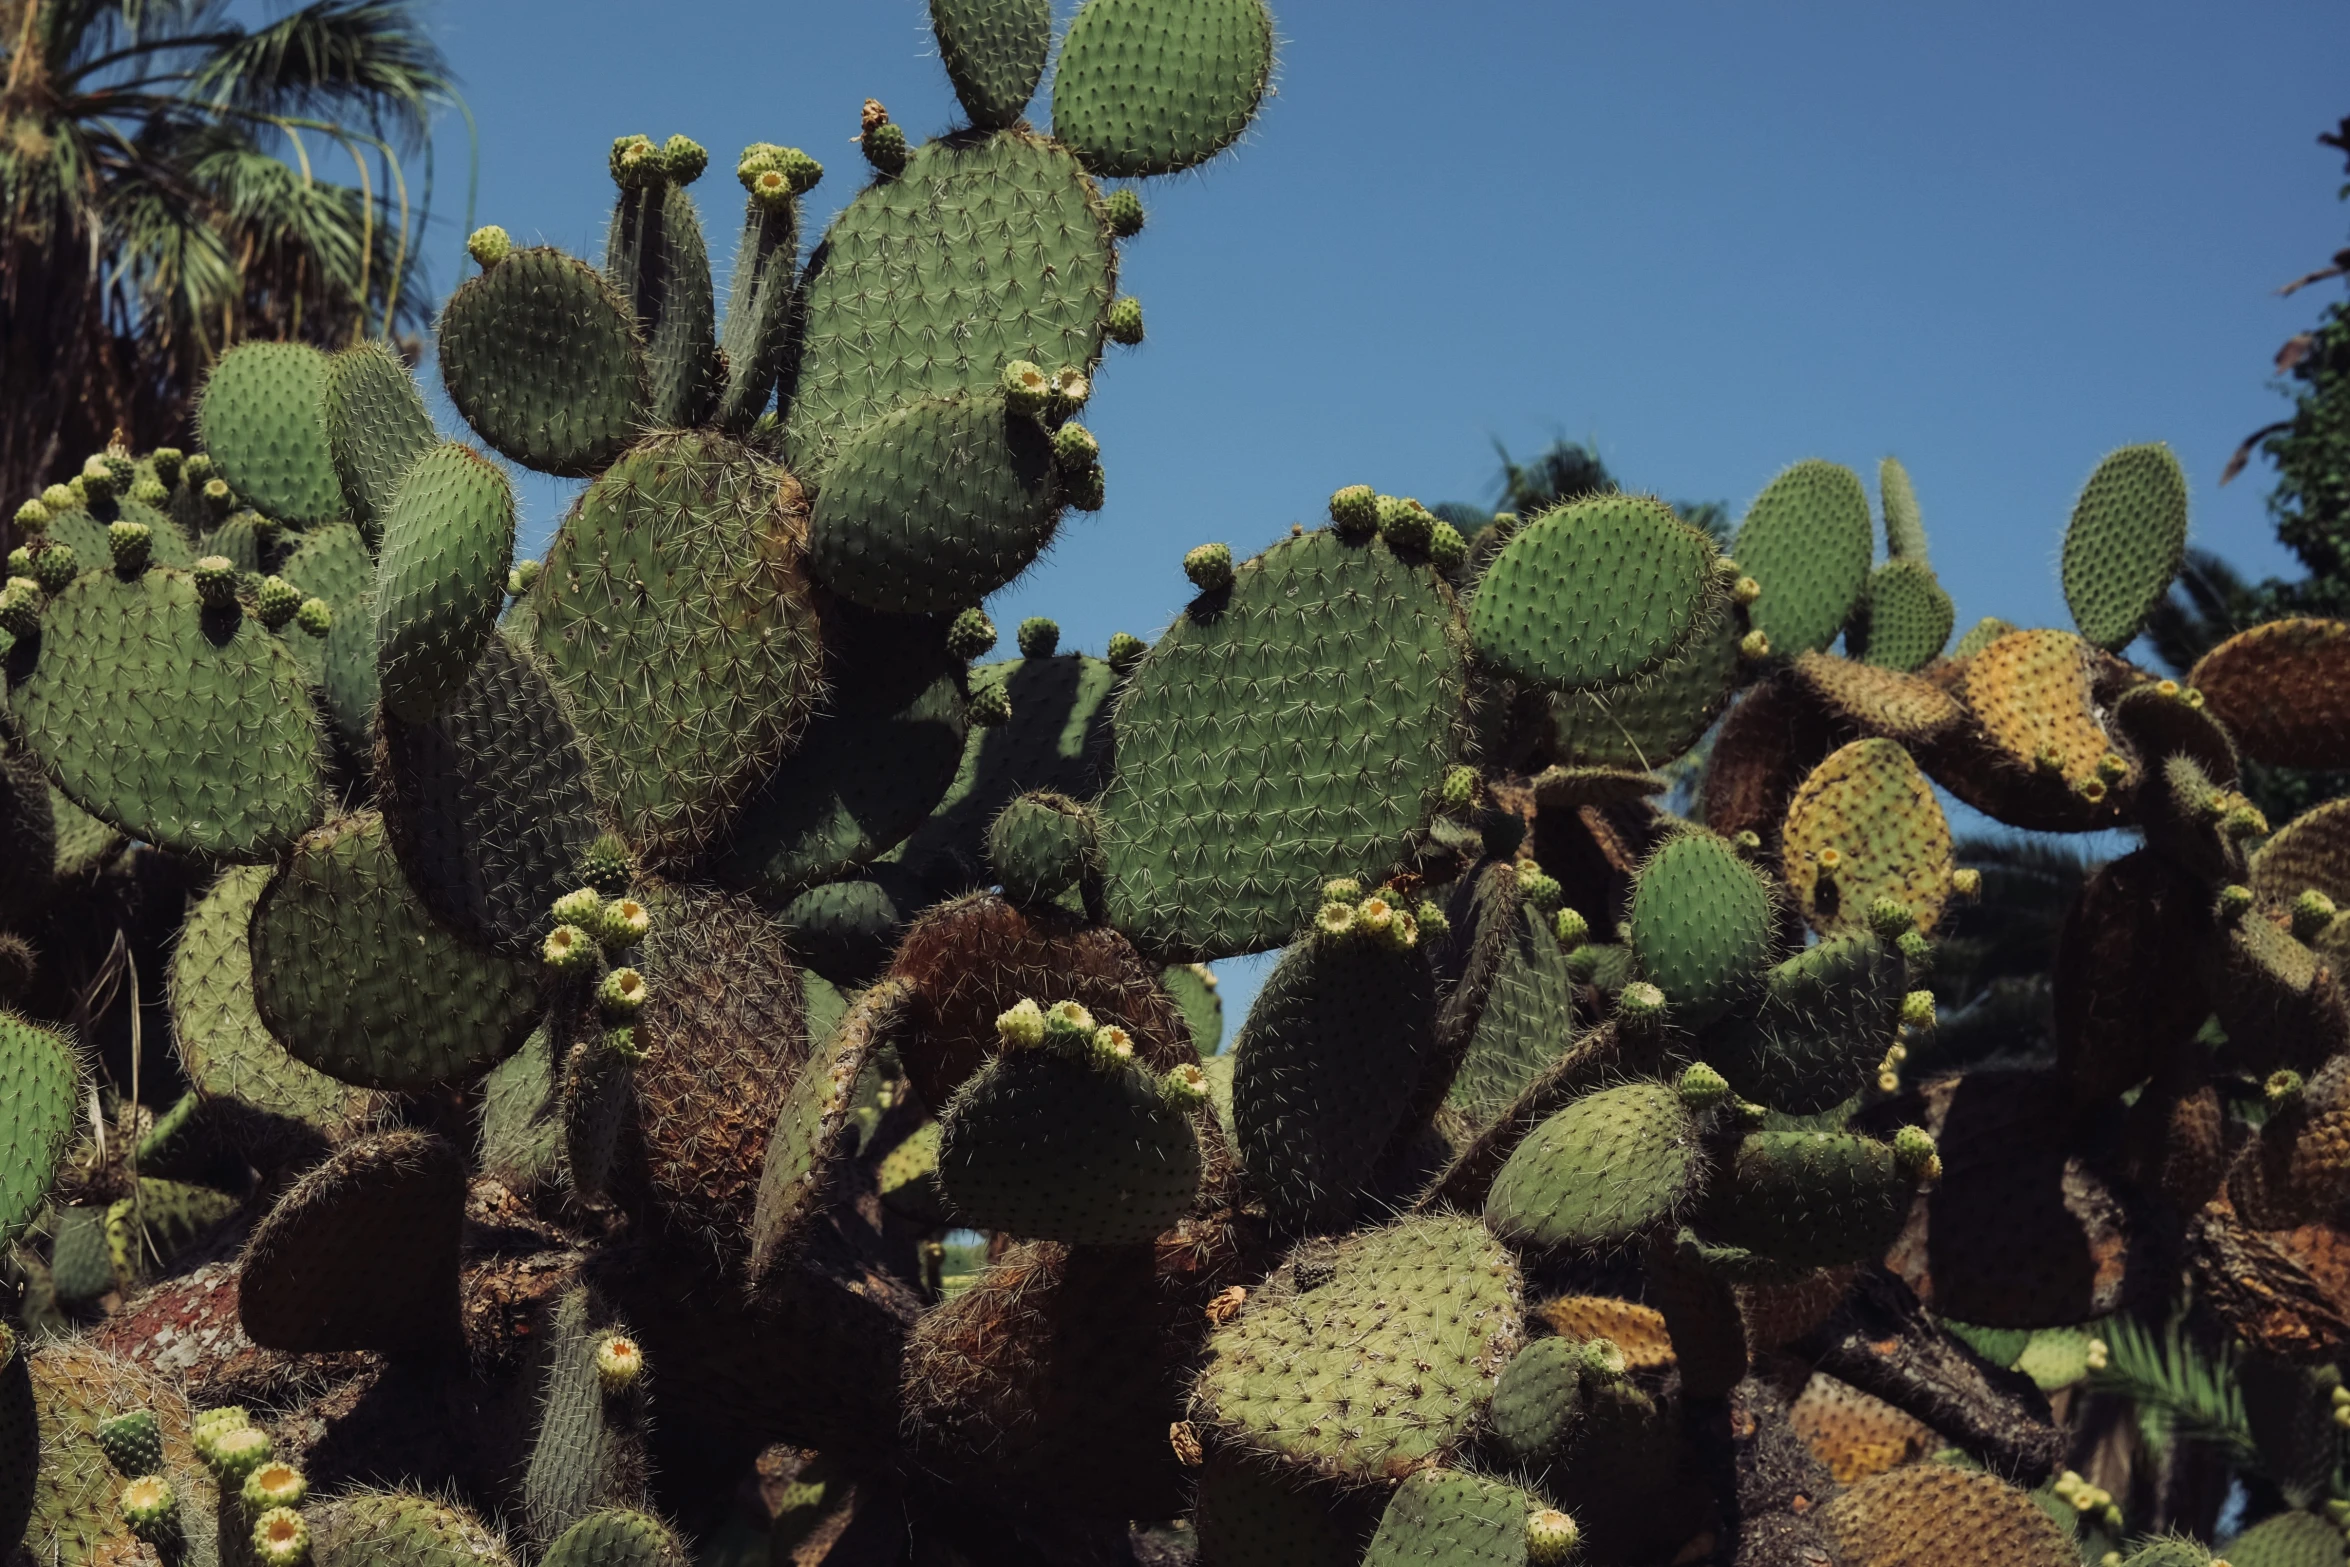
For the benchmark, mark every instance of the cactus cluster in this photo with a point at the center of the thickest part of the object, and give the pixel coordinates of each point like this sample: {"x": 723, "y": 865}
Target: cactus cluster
{"x": 670, "y": 1061}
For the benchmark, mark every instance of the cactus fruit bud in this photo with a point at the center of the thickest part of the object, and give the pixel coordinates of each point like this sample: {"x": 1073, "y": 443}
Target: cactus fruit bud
{"x": 2090, "y": 789}
{"x": 54, "y": 566}
{"x": 489, "y": 245}
{"x": 578, "y": 908}
{"x": 1026, "y": 388}
{"x": 151, "y": 1509}
{"x": 621, "y": 1039}
{"x": 683, "y": 159}
{"x": 1075, "y": 447}
{"x": 770, "y": 188}
{"x": 1021, "y": 1026}
{"x": 281, "y": 1538}
{"x": 275, "y": 1484}
{"x": 1917, "y": 1009}
{"x": 1571, "y": 928}
{"x": 132, "y": 1443}
{"x": 20, "y": 563}
{"x": 1183, "y": 1438}
{"x": 20, "y": 606}
{"x": 568, "y": 949}
{"x": 1342, "y": 888}
{"x": 2244, "y": 821}
{"x": 1185, "y": 1086}
{"x": 1125, "y": 651}
{"x": 1354, "y": 511}
{"x": 1446, "y": 547}
{"x": 2235, "y": 901}
{"x": 1209, "y": 566}
{"x": 99, "y": 482}
{"x": 131, "y": 543}
{"x": 2113, "y": 767}
{"x": 990, "y": 705}
{"x": 1967, "y": 883}
{"x": 1125, "y": 212}
{"x": 277, "y": 602}
{"x": 621, "y": 923}
{"x": 799, "y": 172}
{"x": 1070, "y": 392}
{"x": 315, "y": 616}
{"x": 1748, "y": 842}
{"x": 885, "y": 148}
{"x": 1124, "y": 322}
{"x": 1429, "y": 914}
{"x": 621, "y": 995}
{"x": 607, "y": 866}
{"x": 1640, "y": 1003}
{"x": 1539, "y": 887}
{"x": 1914, "y": 1154}
{"x": 1828, "y": 862}
{"x": 235, "y": 1454}
{"x": 1375, "y": 917}
{"x": 167, "y": 462}
{"x": 2313, "y": 911}
{"x": 1405, "y": 523}
{"x": 1111, "y": 1044}
{"x": 1085, "y": 489}
{"x": 1602, "y": 1360}
{"x": 219, "y": 499}
{"x": 1701, "y": 1087}
{"x": 521, "y": 577}
{"x": 635, "y": 162}
{"x": 1551, "y": 1538}
{"x": 1038, "y": 637}
{"x": 619, "y": 1363}
{"x": 1460, "y": 787}
{"x": 32, "y": 518}
{"x": 150, "y": 492}
{"x": 60, "y": 497}
{"x": 216, "y": 581}
{"x": 1336, "y": 919}
{"x": 1755, "y": 646}
{"x": 198, "y": 471}
{"x": 2284, "y": 1085}
{"x": 971, "y": 634}
{"x": 1916, "y": 950}
{"x": 1745, "y": 590}
{"x": 1069, "y": 1026}
{"x": 1890, "y": 917}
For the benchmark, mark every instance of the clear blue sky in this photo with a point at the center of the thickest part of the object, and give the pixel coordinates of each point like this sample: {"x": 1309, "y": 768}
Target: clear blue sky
{"x": 1995, "y": 239}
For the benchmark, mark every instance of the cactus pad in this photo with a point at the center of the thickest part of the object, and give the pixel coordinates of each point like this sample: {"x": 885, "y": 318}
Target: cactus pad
{"x": 1881, "y": 701}
{"x": 817, "y": 1126}
{"x": 1807, "y": 540}
{"x": 2034, "y": 754}
{"x": 361, "y": 1253}
{"x": 982, "y": 252}
{"x": 2124, "y": 545}
{"x": 1611, "y": 1166}
{"x": 1827, "y": 1018}
{"x": 1595, "y": 593}
{"x": 264, "y": 422}
{"x": 395, "y": 1529}
{"x": 672, "y": 616}
{"x": 39, "y": 1080}
{"x": 994, "y": 52}
{"x": 935, "y": 506}
{"x": 1526, "y": 1023}
{"x": 587, "y": 1454}
{"x": 1904, "y": 620}
{"x": 616, "y": 1537}
{"x": 1151, "y": 88}
{"x": 1657, "y": 717}
{"x": 1449, "y": 1516}
{"x": 2283, "y": 690}
{"x": 447, "y": 542}
{"x": 1932, "y": 1515}
{"x": 377, "y": 427}
{"x": 1869, "y": 803}
{"x": 1038, "y": 1145}
{"x": 1703, "y": 925}
{"x": 1387, "y": 1364}
{"x": 541, "y": 357}
{"x": 355, "y": 978}
{"x": 76, "y": 1517}
{"x": 187, "y": 727}
{"x": 1308, "y": 712}
{"x": 1809, "y": 1199}
{"x": 1905, "y": 525}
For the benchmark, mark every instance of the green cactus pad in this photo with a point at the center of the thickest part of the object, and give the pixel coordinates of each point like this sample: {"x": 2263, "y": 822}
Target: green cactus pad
{"x": 447, "y": 543}
{"x": 616, "y": 1537}
{"x": 1151, "y": 87}
{"x": 376, "y": 426}
{"x": 1611, "y": 1166}
{"x": 1703, "y": 925}
{"x": 39, "y": 1080}
{"x": 672, "y": 616}
{"x": 846, "y": 930}
{"x": 540, "y": 356}
{"x": 360, "y": 1253}
{"x": 1308, "y": 711}
{"x": 1329, "y": 1058}
{"x": 263, "y": 419}
{"x": 1058, "y": 740}
{"x": 758, "y": 310}
{"x": 1905, "y": 526}
{"x": 659, "y": 262}
{"x": 487, "y": 803}
{"x": 191, "y": 729}
{"x": 1808, "y": 541}
{"x": 1045, "y": 1147}
{"x": 355, "y": 978}
{"x": 1539, "y": 1401}
{"x": 1595, "y": 593}
{"x": 522, "y": 1140}
{"x": 275, "y": 1105}
{"x": 2288, "y": 1539}
{"x": 982, "y": 252}
{"x": 76, "y": 1518}
{"x": 1459, "y": 1519}
{"x": 1420, "y": 1317}
{"x": 935, "y": 506}
{"x": 1041, "y": 846}
{"x": 1905, "y": 618}
{"x": 2124, "y": 545}
{"x": 1809, "y": 1199}
{"x": 1194, "y": 987}
{"x": 1827, "y": 1018}
{"x": 1869, "y": 803}
{"x": 1658, "y": 717}
{"x": 994, "y": 52}
{"x": 396, "y": 1529}
{"x": 587, "y": 1455}
{"x": 817, "y": 1128}
{"x": 1526, "y": 1023}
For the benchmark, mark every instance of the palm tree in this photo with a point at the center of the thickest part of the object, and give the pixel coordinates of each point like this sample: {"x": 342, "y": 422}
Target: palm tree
{"x": 161, "y": 188}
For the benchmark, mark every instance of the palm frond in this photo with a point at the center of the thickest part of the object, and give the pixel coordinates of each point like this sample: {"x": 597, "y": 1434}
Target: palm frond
{"x": 328, "y": 59}
{"x": 2182, "y": 1392}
